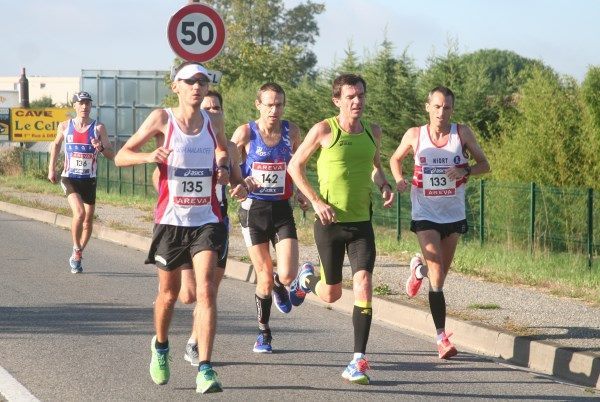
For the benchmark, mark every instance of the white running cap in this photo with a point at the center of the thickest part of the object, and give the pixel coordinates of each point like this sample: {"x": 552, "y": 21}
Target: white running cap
{"x": 189, "y": 71}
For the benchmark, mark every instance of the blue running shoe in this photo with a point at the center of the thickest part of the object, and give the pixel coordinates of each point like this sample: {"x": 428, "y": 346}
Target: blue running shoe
{"x": 263, "y": 343}
{"x": 282, "y": 298}
{"x": 75, "y": 262}
{"x": 355, "y": 372}
{"x": 297, "y": 290}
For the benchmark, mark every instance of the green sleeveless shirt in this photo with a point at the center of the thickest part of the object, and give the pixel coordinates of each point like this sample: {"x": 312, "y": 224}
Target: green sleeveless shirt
{"x": 344, "y": 170}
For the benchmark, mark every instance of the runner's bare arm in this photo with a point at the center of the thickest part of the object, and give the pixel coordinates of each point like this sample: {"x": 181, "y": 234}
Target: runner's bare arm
{"x": 296, "y": 140}
{"x": 378, "y": 175}
{"x": 316, "y": 137}
{"x": 469, "y": 142}
{"x": 481, "y": 165}
{"x": 239, "y": 188}
{"x": 54, "y": 150}
{"x": 407, "y": 144}
{"x": 221, "y": 152}
{"x": 104, "y": 145}
{"x": 154, "y": 126}
{"x": 241, "y": 139}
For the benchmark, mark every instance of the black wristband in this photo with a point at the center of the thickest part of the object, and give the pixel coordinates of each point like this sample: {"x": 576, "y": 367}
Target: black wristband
{"x": 468, "y": 170}
{"x": 101, "y": 148}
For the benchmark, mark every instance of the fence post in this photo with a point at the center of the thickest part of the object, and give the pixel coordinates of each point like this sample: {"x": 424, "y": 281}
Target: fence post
{"x": 590, "y": 225}
{"x": 398, "y": 225}
{"x": 133, "y": 180}
{"x": 532, "y": 218}
{"x": 107, "y": 178}
{"x": 120, "y": 180}
{"x": 39, "y": 166}
{"x": 481, "y": 211}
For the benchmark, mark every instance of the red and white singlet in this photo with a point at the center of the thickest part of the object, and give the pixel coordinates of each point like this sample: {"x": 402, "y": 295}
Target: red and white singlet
{"x": 186, "y": 189}
{"x": 434, "y": 196}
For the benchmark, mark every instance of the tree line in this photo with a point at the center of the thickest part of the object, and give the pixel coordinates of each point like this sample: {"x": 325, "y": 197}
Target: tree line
{"x": 534, "y": 124}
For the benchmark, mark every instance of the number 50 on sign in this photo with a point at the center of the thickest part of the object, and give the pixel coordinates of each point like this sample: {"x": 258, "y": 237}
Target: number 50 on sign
{"x": 196, "y": 33}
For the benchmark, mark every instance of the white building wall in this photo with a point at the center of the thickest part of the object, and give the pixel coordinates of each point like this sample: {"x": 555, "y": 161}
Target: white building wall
{"x": 60, "y": 89}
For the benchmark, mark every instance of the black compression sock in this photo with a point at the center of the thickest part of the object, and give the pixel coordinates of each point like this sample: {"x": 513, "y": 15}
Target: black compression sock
{"x": 263, "y": 311}
{"x": 437, "y": 304}
{"x": 361, "y": 320}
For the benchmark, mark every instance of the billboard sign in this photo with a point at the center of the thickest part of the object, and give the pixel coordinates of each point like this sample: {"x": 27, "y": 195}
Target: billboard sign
{"x": 34, "y": 125}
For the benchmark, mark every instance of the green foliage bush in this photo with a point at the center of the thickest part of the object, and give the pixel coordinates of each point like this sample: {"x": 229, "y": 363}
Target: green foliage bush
{"x": 10, "y": 161}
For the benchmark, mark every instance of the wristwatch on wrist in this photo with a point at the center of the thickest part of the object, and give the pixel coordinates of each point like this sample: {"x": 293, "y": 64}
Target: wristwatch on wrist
{"x": 468, "y": 170}
{"x": 224, "y": 167}
{"x": 101, "y": 148}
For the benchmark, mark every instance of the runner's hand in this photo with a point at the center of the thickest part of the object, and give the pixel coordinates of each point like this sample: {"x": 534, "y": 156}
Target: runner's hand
{"x": 239, "y": 192}
{"x": 302, "y": 201}
{"x": 52, "y": 176}
{"x": 159, "y": 155}
{"x": 402, "y": 185}
{"x": 97, "y": 144}
{"x": 388, "y": 196}
{"x": 252, "y": 184}
{"x": 324, "y": 212}
{"x": 455, "y": 173}
{"x": 222, "y": 176}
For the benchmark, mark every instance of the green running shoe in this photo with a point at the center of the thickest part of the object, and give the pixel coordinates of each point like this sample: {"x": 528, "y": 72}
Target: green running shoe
{"x": 207, "y": 381}
{"x": 159, "y": 365}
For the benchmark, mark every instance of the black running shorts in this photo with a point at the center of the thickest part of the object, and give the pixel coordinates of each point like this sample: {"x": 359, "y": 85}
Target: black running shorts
{"x": 222, "y": 263}
{"x": 264, "y": 221}
{"x": 86, "y": 188}
{"x": 175, "y": 246}
{"x": 444, "y": 229}
{"x": 333, "y": 240}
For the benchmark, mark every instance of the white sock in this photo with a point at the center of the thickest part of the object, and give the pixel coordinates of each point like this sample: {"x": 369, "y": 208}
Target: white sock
{"x": 440, "y": 336}
{"x": 358, "y": 356}
{"x": 192, "y": 341}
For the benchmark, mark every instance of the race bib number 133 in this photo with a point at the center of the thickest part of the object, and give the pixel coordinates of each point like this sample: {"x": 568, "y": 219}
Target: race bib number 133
{"x": 436, "y": 183}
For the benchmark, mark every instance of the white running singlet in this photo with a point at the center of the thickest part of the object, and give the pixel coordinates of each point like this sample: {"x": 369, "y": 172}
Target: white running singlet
{"x": 186, "y": 192}
{"x": 434, "y": 196}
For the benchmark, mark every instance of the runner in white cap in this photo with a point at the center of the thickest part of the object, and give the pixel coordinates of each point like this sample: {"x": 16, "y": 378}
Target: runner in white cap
{"x": 84, "y": 138}
{"x": 192, "y": 157}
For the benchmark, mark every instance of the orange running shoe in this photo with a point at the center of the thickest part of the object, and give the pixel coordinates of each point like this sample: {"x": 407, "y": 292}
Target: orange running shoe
{"x": 413, "y": 284}
{"x": 445, "y": 348}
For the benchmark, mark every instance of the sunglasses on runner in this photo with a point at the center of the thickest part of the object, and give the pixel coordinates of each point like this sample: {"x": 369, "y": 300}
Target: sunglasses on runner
{"x": 191, "y": 81}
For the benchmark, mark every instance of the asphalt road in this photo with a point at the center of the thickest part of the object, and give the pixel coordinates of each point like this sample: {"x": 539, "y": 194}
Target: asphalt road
{"x": 86, "y": 337}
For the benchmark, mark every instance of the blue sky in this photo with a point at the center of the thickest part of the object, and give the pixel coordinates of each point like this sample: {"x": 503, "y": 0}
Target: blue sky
{"x": 61, "y": 37}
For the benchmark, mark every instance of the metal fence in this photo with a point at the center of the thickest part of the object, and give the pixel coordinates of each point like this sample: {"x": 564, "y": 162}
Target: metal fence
{"x": 527, "y": 215}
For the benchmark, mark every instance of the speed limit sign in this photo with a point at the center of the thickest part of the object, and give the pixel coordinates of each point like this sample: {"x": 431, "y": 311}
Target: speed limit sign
{"x": 196, "y": 33}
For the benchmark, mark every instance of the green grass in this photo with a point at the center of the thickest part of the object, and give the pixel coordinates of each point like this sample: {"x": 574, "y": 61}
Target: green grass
{"x": 35, "y": 185}
{"x": 484, "y": 306}
{"x": 35, "y": 204}
{"x": 382, "y": 290}
{"x": 561, "y": 274}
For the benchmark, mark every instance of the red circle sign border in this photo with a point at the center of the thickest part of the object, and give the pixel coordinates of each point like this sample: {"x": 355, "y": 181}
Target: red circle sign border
{"x": 214, "y": 17}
